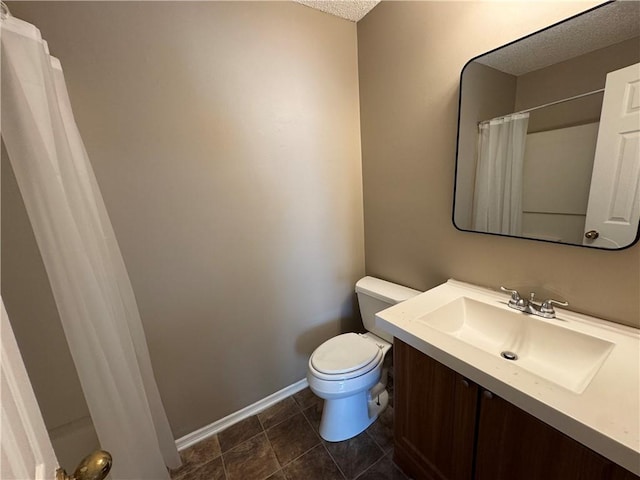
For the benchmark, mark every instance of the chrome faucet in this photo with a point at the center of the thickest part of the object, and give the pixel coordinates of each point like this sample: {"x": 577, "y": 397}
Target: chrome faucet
{"x": 544, "y": 309}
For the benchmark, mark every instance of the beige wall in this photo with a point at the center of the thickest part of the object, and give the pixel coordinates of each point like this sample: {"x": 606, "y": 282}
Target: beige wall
{"x": 225, "y": 139}
{"x": 488, "y": 93}
{"x": 410, "y": 56}
{"x": 581, "y": 74}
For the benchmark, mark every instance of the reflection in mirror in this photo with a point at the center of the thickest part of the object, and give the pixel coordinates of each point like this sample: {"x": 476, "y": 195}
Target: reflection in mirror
{"x": 549, "y": 133}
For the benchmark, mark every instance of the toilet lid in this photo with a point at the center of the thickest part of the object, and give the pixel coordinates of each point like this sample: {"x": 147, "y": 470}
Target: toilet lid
{"x": 344, "y": 353}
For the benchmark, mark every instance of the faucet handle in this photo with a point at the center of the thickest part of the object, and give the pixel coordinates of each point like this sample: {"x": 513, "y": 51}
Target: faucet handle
{"x": 515, "y": 296}
{"x": 547, "y": 306}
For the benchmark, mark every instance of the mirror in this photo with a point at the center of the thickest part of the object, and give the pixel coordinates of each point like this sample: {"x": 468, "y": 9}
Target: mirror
{"x": 549, "y": 133}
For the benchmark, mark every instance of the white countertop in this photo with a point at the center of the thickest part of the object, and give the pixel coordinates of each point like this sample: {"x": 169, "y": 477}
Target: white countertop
{"x": 605, "y": 416}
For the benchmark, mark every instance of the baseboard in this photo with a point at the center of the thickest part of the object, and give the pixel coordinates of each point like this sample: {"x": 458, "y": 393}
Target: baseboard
{"x": 219, "y": 425}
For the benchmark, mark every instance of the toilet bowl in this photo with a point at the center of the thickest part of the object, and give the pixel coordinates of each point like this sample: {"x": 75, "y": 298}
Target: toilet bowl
{"x": 347, "y": 370}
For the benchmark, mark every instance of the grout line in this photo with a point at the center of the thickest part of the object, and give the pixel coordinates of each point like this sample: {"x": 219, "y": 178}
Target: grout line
{"x": 300, "y": 406}
{"x": 285, "y": 419}
{"x": 273, "y": 450}
{"x": 322, "y": 441}
{"x": 224, "y": 467}
{"x": 242, "y": 442}
{"x": 303, "y": 453}
{"x": 207, "y": 431}
{"x": 305, "y": 416}
{"x": 397, "y": 468}
{"x": 370, "y": 466}
{"x": 334, "y": 460}
{"x": 299, "y": 456}
{"x": 311, "y": 426}
{"x": 373, "y": 439}
{"x": 281, "y": 466}
{"x": 260, "y": 422}
{"x": 251, "y": 438}
{"x": 271, "y": 474}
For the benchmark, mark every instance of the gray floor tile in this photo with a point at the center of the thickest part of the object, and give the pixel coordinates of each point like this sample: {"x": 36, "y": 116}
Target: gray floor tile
{"x": 282, "y": 443}
{"x": 212, "y": 470}
{"x": 238, "y": 433}
{"x": 277, "y": 476}
{"x": 279, "y": 412}
{"x": 355, "y": 455}
{"x": 384, "y": 469}
{"x": 316, "y": 464}
{"x": 306, "y": 398}
{"x": 197, "y": 455}
{"x": 382, "y": 430}
{"x": 314, "y": 415}
{"x": 252, "y": 459}
{"x": 292, "y": 438}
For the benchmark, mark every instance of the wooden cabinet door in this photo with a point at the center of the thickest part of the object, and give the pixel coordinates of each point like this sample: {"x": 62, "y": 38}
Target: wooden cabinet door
{"x": 435, "y": 411}
{"x": 515, "y": 445}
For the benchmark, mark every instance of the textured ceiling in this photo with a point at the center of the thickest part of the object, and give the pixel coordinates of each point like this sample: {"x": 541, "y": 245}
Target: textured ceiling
{"x": 352, "y": 10}
{"x": 610, "y": 24}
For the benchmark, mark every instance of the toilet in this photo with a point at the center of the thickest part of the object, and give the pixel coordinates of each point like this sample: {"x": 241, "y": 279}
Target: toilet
{"x": 346, "y": 370}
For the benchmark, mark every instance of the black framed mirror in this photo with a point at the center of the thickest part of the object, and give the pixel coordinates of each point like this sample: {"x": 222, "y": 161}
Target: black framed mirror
{"x": 549, "y": 133}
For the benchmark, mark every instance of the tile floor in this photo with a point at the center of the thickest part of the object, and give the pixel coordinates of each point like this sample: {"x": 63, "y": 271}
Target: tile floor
{"x": 282, "y": 443}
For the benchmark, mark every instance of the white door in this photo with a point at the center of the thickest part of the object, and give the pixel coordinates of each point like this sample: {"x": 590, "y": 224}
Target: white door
{"x": 25, "y": 448}
{"x": 613, "y": 210}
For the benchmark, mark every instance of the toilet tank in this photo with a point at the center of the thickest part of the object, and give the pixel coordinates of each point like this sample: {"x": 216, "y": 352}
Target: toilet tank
{"x": 374, "y": 295}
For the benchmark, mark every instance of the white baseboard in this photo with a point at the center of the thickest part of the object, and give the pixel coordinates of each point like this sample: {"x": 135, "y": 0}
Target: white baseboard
{"x": 194, "y": 437}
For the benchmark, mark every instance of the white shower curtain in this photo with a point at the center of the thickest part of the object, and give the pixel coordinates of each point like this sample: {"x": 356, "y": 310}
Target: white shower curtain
{"x": 497, "y": 200}
{"x": 81, "y": 255}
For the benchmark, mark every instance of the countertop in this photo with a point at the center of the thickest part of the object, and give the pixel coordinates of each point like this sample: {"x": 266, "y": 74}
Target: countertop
{"x": 605, "y": 416}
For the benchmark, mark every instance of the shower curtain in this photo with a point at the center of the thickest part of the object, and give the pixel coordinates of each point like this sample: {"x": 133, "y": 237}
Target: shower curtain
{"x": 88, "y": 277}
{"x": 497, "y": 200}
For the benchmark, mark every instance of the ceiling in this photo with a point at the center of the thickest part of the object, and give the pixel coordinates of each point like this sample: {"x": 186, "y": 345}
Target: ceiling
{"x": 352, "y": 10}
{"x": 599, "y": 28}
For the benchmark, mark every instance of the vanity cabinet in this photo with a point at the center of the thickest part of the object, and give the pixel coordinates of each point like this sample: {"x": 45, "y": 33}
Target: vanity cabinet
{"x": 435, "y": 417}
{"x": 448, "y": 428}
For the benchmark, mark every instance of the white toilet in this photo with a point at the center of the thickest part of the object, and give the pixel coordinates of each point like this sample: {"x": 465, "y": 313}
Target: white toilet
{"x": 346, "y": 371}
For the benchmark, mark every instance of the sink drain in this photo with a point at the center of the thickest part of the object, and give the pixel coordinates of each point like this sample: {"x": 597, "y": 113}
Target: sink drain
{"x": 509, "y": 355}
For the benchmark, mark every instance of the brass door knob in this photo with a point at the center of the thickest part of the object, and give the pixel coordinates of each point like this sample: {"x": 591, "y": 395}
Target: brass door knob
{"x": 95, "y": 466}
{"x": 592, "y": 234}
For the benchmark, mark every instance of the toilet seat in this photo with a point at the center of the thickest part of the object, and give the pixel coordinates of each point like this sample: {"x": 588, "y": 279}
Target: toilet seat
{"x": 346, "y": 356}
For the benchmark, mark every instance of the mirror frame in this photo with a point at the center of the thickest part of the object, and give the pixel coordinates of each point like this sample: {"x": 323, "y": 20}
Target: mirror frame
{"x": 457, "y": 160}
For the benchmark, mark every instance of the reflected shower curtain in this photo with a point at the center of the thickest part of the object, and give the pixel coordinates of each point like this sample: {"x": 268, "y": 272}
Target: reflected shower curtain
{"x": 81, "y": 255}
{"x": 497, "y": 200}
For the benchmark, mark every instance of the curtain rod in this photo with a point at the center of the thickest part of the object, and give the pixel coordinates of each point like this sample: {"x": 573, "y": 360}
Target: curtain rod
{"x": 548, "y": 104}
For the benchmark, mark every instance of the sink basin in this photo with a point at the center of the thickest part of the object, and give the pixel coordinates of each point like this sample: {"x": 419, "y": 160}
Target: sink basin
{"x": 577, "y": 373}
{"x": 565, "y": 357}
